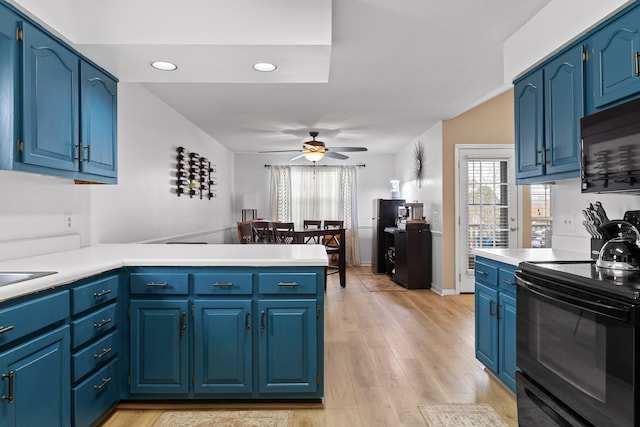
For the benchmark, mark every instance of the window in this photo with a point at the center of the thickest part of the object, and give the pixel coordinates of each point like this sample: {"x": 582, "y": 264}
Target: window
{"x": 541, "y": 216}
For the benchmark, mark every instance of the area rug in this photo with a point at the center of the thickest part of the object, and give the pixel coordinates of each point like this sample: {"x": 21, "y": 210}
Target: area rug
{"x": 379, "y": 283}
{"x": 225, "y": 419}
{"x": 461, "y": 415}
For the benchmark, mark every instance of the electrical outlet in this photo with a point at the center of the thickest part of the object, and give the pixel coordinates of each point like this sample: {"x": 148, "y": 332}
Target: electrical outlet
{"x": 68, "y": 222}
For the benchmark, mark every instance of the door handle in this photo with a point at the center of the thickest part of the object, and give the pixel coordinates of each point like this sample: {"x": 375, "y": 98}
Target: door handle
{"x": 491, "y": 308}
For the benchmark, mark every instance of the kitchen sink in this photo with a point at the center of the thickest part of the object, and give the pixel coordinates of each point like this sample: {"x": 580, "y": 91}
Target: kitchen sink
{"x": 10, "y": 277}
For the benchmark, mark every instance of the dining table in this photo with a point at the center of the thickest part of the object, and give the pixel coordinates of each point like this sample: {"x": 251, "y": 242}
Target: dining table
{"x": 302, "y": 236}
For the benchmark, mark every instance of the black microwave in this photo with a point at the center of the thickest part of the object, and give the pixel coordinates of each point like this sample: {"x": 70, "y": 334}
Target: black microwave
{"x": 610, "y": 150}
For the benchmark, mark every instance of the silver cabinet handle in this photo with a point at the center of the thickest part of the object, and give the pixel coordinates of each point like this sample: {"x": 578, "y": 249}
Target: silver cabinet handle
{"x": 9, "y": 398}
{"x": 102, "y": 293}
{"x": 159, "y": 285}
{"x": 287, "y": 283}
{"x": 105, "y": 381}
{"x": 228, "y": 284}
{"x": 101, "y": 324}
{"x": 105, "y": 351}
{"x": 508, "y": 282}
{"x": 482, "y": 273}
{"x": 4, "y": 329}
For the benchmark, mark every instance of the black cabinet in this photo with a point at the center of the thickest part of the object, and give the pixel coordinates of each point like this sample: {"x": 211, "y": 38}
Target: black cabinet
{"x": 409, "y": 256}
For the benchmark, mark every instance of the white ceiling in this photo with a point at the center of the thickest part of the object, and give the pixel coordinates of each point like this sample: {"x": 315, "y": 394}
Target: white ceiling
{"x": 366, "y": 73}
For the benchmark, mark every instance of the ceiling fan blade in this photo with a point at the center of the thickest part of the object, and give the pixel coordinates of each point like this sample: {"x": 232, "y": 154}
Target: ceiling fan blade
{"x": 280, "y": 151}
{"x": 335, "y": 155}
{"x": 346, "y": 149}
{"x": 296, "y": 157}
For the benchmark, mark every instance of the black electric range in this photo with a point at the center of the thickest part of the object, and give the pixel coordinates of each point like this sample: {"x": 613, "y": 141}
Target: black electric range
{"x": 585, "y": 275}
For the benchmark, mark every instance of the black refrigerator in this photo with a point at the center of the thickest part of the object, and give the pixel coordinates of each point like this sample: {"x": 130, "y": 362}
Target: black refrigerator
{"x": 385, "y": 213}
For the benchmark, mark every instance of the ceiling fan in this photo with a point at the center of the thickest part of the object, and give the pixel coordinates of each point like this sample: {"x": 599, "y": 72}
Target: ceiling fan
{"x": 315, "y": 150}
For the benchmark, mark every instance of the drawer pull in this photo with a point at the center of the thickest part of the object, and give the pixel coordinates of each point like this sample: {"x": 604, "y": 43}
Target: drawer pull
{"x": 101, "y": 324}
{"x": 482, "y": 273}
{"x": 4, "y": 329}
{"x": 228, "y": 285}
{"x": 10, "y": 377}
{"x": 105, "y": 381}
{"x": 102, "y": 293}
{"x": 287, "y": 283}
{"x": 508, "y": 282}
{"x": 105, "y": 351}
{"x": 158, "y": 285}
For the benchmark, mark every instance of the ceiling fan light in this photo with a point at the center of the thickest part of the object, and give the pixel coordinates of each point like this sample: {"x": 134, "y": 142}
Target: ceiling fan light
{"x": 313, "y": 156}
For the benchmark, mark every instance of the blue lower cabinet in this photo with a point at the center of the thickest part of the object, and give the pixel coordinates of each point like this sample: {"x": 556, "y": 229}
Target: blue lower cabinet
{"x": 288, "y": 346}
{"x": 486, "y": 302}
{"x": 95, "y": 395}
{"x": 35, "y": 384}
{"x": 507, "y": 326}
{"x": 159, "y": 346}
{"x": 223, "y": 346}
{"x": 495, "y": 310}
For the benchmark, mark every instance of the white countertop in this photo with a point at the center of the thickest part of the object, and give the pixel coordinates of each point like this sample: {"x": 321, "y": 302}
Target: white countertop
{"x": 77, "y": 264}
{"x": 516, "y": 256}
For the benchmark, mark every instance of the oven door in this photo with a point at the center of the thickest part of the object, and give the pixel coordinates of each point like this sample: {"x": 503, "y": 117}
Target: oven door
{"x": 579, "y": 348}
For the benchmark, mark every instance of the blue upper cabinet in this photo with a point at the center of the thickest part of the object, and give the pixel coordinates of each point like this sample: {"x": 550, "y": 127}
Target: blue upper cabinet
{"x": 59, "y": 112}
{"x": 529, "y": 126}
{"x": 614, "y": 63}
{"x": 50, "y": 103}
{"x": 549, "y": 103}
{"x": 99, "y": 139}
{"x": 563, "y": 109}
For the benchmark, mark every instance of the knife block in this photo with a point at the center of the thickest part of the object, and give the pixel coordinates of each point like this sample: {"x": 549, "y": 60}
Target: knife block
{"x": 596, "y": 245}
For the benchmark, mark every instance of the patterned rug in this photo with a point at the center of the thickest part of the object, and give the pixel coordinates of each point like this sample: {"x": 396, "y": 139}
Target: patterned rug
{"x": 225, "y": 419}
{"x": 461, "y": 415}
{"x": 379, "y": 283}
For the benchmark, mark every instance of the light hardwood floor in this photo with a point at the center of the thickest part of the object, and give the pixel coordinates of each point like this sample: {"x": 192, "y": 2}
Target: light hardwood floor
{"x": 385, "y": 353}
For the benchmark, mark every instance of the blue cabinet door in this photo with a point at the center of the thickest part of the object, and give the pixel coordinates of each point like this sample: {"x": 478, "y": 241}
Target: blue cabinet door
{"x": 288, "y": 346}
{"x": 9, "y": 89}
{"x": 486, "y": 305}
{"x": 35, "y": 375}
{"x": 614, "y": 63}
{"x": 159, "y": 346}
{"x": 563, "y": 109}
{"x": 529, "y": 126}
{"x": 222, "y": 346}
{"x": 507, "y": 326}
{"x": 99, "y": 138}
{"x": 50, "y": 102}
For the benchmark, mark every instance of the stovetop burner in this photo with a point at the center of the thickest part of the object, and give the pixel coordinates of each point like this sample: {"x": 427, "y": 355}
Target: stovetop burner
{"x": 585, "y": 275}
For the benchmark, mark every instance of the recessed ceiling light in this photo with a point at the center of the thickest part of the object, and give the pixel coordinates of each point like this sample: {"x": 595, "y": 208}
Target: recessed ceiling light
{"x": 264, "y": 67}
{"x": 164, "y": 66}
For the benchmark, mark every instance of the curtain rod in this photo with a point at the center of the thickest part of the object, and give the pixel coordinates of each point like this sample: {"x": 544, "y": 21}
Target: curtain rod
{"x": 362, "y": 165}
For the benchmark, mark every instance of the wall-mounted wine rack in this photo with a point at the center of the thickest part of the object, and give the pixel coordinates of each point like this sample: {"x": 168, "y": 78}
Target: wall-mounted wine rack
{"x": 195, "y": 175}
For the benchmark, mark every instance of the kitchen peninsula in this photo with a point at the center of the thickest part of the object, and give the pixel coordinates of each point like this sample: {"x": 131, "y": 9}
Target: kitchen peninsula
{"x": 144, "y": 322}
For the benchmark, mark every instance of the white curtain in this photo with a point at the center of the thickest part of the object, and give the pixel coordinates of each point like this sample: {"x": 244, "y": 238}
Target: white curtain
{"x": 320, "y": 193}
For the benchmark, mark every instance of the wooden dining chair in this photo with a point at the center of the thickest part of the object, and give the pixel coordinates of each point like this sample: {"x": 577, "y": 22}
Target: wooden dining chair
{"x": 282, "y": 232}
{"x": 245, "y": 234}
{"x": 312, "y": 224}
{"x": 331, "y": 242}
{"x": 261, "y": 231}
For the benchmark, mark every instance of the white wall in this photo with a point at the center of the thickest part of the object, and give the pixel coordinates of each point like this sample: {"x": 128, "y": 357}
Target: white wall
{"x": 430, "y": 194}
{"x": 142, "y": 205}
{"x": 252, "y": 180}
{"x": 555, "y": 25}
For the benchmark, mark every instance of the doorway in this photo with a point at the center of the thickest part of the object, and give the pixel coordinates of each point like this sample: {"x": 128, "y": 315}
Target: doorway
{"x": 486, "y": 205}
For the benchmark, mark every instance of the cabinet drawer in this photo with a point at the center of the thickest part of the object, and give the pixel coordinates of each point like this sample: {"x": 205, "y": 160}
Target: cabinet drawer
{"x": 486, "y": 273}
{"x": 94, "y": 294}
{"x": 159, "y": 283}
{"x": 94, "y": 356}
{"x": 95, "y": 395}
{"x": 223, "y": 284}
{"x": 507, "y": 280}
{"x": 93, "y": 325}
{"x": 288, "y": 283}
{"x": 22, "y": 319}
